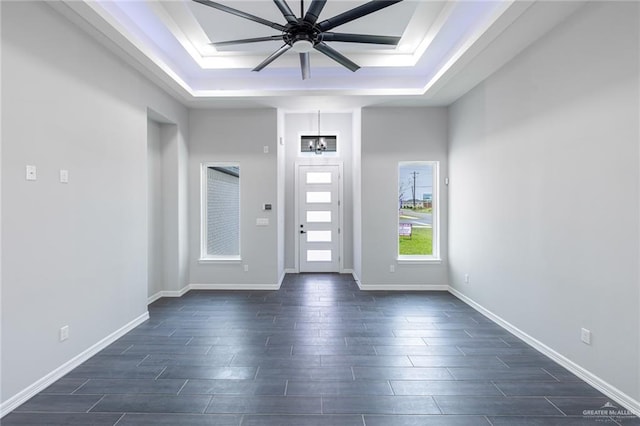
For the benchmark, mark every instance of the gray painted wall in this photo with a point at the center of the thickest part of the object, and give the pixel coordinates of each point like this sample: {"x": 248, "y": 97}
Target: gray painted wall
{"x": 78, "y": 252}
{"x": 391, "y": 135}
{"x": 155, "y": 209}
{"x": 357, "y": 192}
{"x": 237, "y": 136}
{"x": 544, "y": 203}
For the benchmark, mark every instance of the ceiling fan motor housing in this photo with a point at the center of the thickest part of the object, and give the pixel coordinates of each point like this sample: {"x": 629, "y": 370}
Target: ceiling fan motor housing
{"x": 301, "y": 37}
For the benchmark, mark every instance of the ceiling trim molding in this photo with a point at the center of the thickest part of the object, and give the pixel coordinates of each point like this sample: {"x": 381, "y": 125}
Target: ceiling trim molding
{"x": 485, "y": 49}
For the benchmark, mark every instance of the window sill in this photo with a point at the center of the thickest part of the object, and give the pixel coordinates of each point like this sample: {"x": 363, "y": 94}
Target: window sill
{"x": 218, "y": 260}
{"x": 418, "y": 260}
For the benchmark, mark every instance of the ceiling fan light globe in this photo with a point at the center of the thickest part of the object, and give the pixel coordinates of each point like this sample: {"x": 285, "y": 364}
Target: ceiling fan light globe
{"x": 302, "y": 46}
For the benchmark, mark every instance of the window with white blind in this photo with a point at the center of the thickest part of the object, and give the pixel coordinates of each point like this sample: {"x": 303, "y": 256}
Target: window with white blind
{"x": 220, "y": 211}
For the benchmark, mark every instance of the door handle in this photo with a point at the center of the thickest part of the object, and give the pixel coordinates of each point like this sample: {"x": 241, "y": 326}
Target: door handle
{"x": 303, "y": 232}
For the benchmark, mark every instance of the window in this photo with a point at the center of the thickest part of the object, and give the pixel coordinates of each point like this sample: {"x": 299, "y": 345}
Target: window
{"x": 311, "y": 145}
{"x": 220, "y": 211}
{"x": 418, "y": 210}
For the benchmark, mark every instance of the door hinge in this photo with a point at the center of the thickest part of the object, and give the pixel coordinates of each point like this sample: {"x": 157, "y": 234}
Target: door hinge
{"x": 338, "y": 230}
{"x": 338, "y": 203}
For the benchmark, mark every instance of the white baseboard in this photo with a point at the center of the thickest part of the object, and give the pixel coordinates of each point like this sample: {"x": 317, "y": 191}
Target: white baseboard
{"x": 195, "y": 286}
{"x": 167, "y": 293}
{"x": 347, "y": 271}
{"x": 606, "y": 388}
{"x": 23, "y": 396}
{"x": 154, "y": 297}
{"x": 402, "y": 287}
{"x": 284, "y": 274}
{"x": 290, "y": 271}
{"x": 234, "y": 286}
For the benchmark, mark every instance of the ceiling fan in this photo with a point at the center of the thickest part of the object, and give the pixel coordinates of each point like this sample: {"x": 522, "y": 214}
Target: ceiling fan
{"x": 305, "y": 33}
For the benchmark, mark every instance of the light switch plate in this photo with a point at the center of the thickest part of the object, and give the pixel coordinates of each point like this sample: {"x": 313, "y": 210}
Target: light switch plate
{"x": 31, "y": 172}
{"x": 64, "y": 176}
{"x": 262, "y": 221}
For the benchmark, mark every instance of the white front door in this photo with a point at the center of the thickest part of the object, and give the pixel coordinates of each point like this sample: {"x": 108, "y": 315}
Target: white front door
{"x": 319, "y": 218}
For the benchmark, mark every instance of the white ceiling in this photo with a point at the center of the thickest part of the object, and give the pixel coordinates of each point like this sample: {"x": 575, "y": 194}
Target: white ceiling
{"x": 446, "y": 48}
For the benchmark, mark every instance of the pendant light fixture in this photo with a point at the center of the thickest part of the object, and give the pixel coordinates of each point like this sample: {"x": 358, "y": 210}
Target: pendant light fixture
{"x": 320, "y": 144}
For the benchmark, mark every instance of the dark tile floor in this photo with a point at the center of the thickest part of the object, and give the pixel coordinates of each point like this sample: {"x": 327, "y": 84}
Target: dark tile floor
{"x": 317, "y": 352}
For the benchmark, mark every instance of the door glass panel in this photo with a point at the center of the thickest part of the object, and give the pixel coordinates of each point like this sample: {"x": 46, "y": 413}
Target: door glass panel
{"x": 318, "y": 177}
{"x": 318, "y": 255}
{"x": 318, "y": 197}
{"x": 319, "y": 216}
{"x": 318, "y": 236}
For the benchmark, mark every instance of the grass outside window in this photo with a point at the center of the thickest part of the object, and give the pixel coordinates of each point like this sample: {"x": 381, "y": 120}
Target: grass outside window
{"x": 420, "y": 242}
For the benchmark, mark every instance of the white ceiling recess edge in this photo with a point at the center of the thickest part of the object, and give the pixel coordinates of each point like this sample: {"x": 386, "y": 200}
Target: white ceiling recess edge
{"x": 510, "y": 29}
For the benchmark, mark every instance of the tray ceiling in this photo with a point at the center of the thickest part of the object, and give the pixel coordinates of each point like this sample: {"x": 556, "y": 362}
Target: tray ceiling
{"x": 173, "y": 40}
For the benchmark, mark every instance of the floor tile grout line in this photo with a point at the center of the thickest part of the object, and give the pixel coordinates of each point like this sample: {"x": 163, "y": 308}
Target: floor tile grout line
{"x": 96, "y": 403}
{"x": 502, "y": 361}
{"x": 204, "y": 411}
{"x": 182, "y": 387}
{"x": 143, "y": 359}
{"x": 164, "y": 368}
{"x": 393, "y": 391}
{"x": 499, "y": 390}
{"x": 547, "y": 371}
{"x": 78, "y": 388}
{"x": 119, "y": 418}
{"x": 437, "y": 405}
{"x": 555, "y": 406}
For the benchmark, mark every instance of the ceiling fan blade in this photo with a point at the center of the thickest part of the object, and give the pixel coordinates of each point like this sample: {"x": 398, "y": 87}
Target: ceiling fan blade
{"x": 336, "y": 56}
{"x": 240, "y": 14}
{"x": 355, "y": 13}
{"x": 275, "y": 55}
{"x": 286, "y": 11}
{"x": 247, "y": 40}
{"x": 305, "y": 66}
{"x": 315, "y": 8}
{"x": 359, "y": 38}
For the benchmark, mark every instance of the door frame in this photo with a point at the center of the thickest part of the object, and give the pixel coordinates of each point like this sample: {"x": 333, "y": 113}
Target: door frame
{"x": 296, "y": 207}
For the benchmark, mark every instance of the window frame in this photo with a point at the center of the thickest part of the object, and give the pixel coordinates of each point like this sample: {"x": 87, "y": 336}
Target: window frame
{"x": 311, "y": 154}
{"x": 434, "y": 257}
{"x": 205, "y": 257}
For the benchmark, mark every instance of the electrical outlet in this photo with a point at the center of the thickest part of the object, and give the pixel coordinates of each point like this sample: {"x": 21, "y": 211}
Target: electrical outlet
{"x": 392, "y": 268}
{"x": 246, "y": 268}
{"x": 466, "y": 278}
{"x": 64, "y": 333}
{"x": 585, "y": 336}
